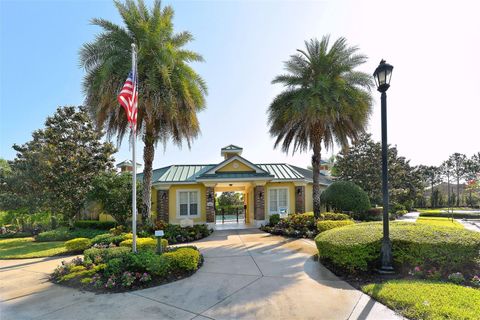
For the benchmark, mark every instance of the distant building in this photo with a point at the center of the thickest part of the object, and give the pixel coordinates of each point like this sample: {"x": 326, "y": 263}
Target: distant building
{"x": 126, "y": 166}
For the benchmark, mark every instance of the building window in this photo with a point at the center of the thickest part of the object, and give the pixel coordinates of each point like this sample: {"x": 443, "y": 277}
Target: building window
{"x": 187, "y": 203}
{"x": 278, "y": 201}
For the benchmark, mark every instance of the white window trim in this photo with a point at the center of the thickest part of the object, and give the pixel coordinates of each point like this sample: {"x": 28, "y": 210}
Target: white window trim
{"x": 178, "y": 203}
{"x": 288, "y": 199}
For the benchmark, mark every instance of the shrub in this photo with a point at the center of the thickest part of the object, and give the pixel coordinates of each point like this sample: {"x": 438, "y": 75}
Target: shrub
{"x": 30, "y": 223}
{"x": 372, "y": 214}
{"x": 107, "y": 238}
{"x": 118, "y": 230}
{"x": 330, "y": 224}
{"x": 145, "y": 243}
{"x": 456, "y": 277}
{"x": 10, "y": 235}
{"x": 64, "y": 233}
{"x": 77, "y": 244}
{"x": 274, "y": 219}
{"x": 160, "y": 265}
{"x": 183, "y": 258}
{"x": 334, "y": 216}
{"x": 140, "y": 261}
{"x": 357, "y": 247}
{"x": 95, "y": 224}
{"x": 97, "y": 255}
{"x": 177, "y": 234}
{"x": 346, "y": 196}
{"x": 295, "y": 226}
{"x": 114, "y": 267}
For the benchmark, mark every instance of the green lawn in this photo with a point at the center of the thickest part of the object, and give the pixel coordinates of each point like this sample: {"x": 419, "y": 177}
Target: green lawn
{"x": 437, "y": 221}
{"x": 21, "y": 248}
{"x": 427, "y": 300}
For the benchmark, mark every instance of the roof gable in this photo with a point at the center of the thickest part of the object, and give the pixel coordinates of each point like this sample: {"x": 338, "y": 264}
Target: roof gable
{"x": 236, "y": 166}
{"x": 246, "y": 166}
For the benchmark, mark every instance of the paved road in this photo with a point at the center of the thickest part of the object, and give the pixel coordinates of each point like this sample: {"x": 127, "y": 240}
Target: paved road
{"x": 247, "y": 274}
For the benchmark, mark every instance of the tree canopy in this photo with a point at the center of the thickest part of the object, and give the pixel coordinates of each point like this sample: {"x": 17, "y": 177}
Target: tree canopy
{"x": 55, "y": 169}
{"x": 114, "y": 191}
{"x": 325, "y": 101}
{"x": 170, "y": 91}
{"x": 362, "y": 165}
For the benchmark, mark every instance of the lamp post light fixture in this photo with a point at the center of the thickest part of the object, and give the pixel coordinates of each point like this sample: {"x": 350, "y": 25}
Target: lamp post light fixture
{"x": 382, "y": 76}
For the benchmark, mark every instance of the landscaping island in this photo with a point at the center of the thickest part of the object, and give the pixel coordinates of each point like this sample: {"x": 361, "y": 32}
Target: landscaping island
{"x": 437, "y": 267}
{"x": 118, "y": 269}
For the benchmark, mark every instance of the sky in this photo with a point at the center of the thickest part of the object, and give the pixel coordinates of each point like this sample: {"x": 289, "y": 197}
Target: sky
{"x": 433, "y": 101}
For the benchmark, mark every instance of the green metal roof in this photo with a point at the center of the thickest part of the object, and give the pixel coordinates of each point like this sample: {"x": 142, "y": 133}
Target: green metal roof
{"x": 235, "y": 175}
{"x": 281, "y": 171}
{"x": 190, "y": 173}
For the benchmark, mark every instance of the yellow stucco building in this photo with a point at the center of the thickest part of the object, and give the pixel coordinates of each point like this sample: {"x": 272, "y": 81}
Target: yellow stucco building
{"x": 188, "y": 191}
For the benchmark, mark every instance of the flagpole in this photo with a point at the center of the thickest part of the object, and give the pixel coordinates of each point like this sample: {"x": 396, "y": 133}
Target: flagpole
{"x": 134, "y": 164}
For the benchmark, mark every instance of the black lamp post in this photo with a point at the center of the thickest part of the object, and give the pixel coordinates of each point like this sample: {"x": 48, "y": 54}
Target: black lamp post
{"x": 382, "y": 76}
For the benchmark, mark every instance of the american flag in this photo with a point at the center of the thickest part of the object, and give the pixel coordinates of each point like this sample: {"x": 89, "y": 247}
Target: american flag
{"x": 128, "y": 98}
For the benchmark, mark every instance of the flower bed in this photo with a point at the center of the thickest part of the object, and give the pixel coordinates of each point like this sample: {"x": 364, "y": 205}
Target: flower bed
{"x": 176, "y": 234}
{"x": 305, "y": 225}
{"x": 118, "y": 269}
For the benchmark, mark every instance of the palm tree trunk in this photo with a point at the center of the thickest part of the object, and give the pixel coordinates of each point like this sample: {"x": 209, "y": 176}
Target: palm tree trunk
{"x": 316, "y": 179}
{"x": 148, "y": 155}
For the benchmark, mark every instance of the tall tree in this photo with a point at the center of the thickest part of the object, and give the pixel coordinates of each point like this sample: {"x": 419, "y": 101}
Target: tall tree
{"x": 54, "y": 170}
{"x": 472, "y": 177}
{"x": 432, "y": 175}
{"x": 458, "y": 161}
{"x": 170, "y": 91}
{"x": 114, "y": 191}
{"x": 447, "y": 172}
{"x": 325, "y": 101}
{"x": 362, "y": 163}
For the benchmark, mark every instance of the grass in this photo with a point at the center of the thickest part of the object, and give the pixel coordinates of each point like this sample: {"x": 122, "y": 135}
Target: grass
{"x": 431, "y": 210}
{"x": 444, "y": 210}
{"x": 22, "y": 248}
{"x": 427, "y": 300}
{"x": 437, "y": 221}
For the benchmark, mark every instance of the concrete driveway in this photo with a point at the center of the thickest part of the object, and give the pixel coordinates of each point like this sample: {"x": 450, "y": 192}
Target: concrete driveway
{"x": 247, "y": 274}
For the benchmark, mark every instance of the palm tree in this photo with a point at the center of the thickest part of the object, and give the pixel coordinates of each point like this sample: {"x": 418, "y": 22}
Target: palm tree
{"x": 325, "y": 101}
{"x": 170, "y": 91}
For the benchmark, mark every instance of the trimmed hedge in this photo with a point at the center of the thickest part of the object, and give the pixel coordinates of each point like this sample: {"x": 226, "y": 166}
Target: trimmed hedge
{"x": 107, "y": 238}
{"x": 346, "y": 196}
{"x": 334, "y": 216}
{"x": 183, "y": 259}
{"x": 95, "y": 224}
{"x": 448, "y": 215}
{"x": 331, "y": 224}
{"x": 144, "y": 243}
{"x": 77, "y": 244}
{"x": 64, "y": 233}
{"x": 357, "y": 247}
{"x": 97, "y": 255}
